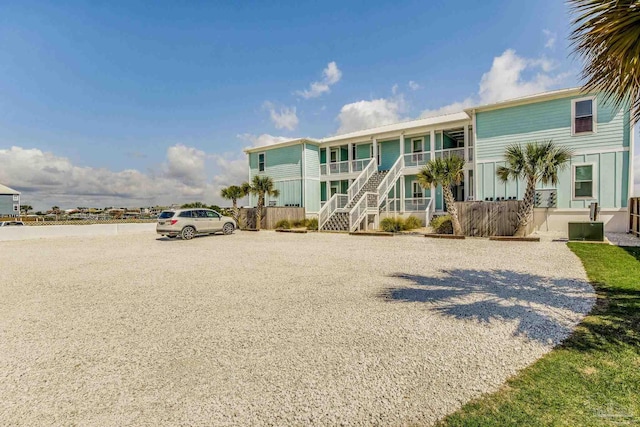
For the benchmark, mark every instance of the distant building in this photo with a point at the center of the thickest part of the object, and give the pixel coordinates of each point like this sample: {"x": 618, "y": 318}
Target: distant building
{"x": 9, "y": 201}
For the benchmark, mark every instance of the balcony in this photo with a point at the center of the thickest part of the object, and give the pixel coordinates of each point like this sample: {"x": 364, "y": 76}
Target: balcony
{"x": 353, "y": 166}
{"x": 416, "y": 159}
{"x": 444, "y": 154}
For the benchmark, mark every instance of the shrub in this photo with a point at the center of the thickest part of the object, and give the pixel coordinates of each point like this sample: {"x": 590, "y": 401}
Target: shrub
{"x": 312, "y": 224}
{"x": 299, "y": 223}
{"x": 411, "y": 223}
{"x": 442, "y": 224}
{"x": 392, "y": 225}
{"x": 283, "y": 224}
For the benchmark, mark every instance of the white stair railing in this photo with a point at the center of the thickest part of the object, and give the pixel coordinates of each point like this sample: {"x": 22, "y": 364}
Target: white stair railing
{"x": 390, "y": 179}
{"x": 362, "y": 179}
{"x": 368, "y": 203}
{"x": 337, "y": 201}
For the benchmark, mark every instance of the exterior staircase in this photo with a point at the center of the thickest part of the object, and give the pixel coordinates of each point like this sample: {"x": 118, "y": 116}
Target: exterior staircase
{"x": 339, "y": 220}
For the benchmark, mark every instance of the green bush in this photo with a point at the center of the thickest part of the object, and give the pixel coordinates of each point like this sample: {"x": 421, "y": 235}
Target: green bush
{"x": 442, "y": 224}
{"x": 392, "y": 225}
{"x": 412, "y": 223}
{"x": 283, "y": 224}
{"x": 312, "y": 224}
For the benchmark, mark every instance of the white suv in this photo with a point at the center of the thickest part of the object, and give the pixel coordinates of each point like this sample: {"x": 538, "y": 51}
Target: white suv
{"x": 187, "y": 223}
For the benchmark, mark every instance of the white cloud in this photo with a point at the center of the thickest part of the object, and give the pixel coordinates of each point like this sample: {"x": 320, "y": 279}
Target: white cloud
{"x": 394, "y": 89}
{"x": 330, "y": 76}
{"x": 46, "y": 179}
{"x": 510, "y": 76}
{"x": 231, "y": 170}
{"x": 367, "y": 114}
{"x": 286, "y": 118}
{"x": 414, "y": 86}
{"x": 263, "y": 139}
{"x": 550, "y": 39}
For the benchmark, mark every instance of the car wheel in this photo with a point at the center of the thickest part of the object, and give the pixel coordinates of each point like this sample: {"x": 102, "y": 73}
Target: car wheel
{"x": 228, "y": 228}
{"x": 188, "y": 233}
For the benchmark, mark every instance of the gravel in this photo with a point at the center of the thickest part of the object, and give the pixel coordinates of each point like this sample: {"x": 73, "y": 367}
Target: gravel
{"x": 273, "y": 328}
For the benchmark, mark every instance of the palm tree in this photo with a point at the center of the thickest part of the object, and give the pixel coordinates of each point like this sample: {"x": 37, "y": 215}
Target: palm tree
{"x": 26, "y": 209}
{"x": 260, "y": 186}
{"x": 535, "y": 162}
{"x": 233, "y": 193}
{"x": 446, "y": 172}
{"x": 606, "y": 35}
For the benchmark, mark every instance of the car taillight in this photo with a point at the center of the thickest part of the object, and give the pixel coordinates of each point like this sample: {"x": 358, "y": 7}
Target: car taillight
{"x": 173, "y": 221}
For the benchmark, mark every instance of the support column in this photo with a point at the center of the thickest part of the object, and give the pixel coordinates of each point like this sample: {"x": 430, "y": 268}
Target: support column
{"x": 350, "y": 156}
{"x": 466, "y": 143}
{"x": 433, "y": 156}
{"x": 402, "y": 193}
{"x": 402, "y": 144}
{"x": 374, "y": 141}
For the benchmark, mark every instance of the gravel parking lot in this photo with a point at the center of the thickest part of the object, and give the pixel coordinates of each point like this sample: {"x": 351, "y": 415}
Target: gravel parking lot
{"x": 272, "y": 328}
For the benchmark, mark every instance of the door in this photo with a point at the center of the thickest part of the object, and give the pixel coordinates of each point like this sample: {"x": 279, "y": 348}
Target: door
{"x": 334, "y": 189}
{"x": 416, "y": 194}
{"x": 214, "y": 221}
{"x": 201, "y": 221}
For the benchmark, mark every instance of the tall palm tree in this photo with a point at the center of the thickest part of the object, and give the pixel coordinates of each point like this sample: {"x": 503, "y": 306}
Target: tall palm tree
{"x": 260, "y": 186}
{"x": 446, "y": 172}
{"x": 535, "y": 162}
{"x": 233, "y": 193}
{"x": 606, "y": 35}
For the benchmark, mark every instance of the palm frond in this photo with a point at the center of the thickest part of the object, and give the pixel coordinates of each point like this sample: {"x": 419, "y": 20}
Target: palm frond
{"x": 606, "y": 36}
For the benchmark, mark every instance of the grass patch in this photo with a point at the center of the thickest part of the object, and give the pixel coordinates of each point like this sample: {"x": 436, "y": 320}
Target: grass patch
{"x": 593, "y": 378}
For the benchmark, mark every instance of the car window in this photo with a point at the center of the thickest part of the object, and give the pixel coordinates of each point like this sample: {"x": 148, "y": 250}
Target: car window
{"x": 185, "y": 214}
{"x": 200, "y": 213}
{"x": 212, "y": 214}
{"x": 166, "y": 214}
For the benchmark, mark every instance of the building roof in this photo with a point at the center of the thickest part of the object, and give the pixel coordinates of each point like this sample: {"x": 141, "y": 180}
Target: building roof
{"x": 429, "y": 121}
{"x": 6, "y": 190}
{"x": 295, "y": 141}
{"x": 560, "y": 93}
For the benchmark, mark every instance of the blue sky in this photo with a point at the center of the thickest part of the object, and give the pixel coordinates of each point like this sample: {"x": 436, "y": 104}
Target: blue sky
{"x": 137, "y": 103}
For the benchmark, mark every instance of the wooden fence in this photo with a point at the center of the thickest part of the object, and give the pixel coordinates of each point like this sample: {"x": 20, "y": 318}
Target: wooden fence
{"x": 484, "y": 219}
{"x": 634, "y": 216}
{"x": 270, "y": 216}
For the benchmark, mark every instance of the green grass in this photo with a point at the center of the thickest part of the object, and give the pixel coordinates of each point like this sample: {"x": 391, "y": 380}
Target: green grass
{"x": 593, "y": 378}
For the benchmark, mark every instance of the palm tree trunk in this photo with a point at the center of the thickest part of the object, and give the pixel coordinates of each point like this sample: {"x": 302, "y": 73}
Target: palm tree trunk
{"x": 236, "y": 212}
{"x": 525, "y": 213}
{"x": 259, "y": 210}
{"x": 450, "y": 201}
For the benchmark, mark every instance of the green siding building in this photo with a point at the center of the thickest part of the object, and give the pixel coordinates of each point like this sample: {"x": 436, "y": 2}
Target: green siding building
{"x": 9, "y": 202}
{"x": 329, "y": 177}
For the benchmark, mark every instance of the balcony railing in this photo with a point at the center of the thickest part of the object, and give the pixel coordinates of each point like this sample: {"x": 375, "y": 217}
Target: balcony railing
{"x": 416, "y": 159}
{"x": 416, "y": 204}
{"x": 353, "y": 166}
{"x": 450, "y": 152}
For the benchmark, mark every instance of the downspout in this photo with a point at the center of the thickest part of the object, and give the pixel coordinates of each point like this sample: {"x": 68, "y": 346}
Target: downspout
{"x": 304, "y": 176}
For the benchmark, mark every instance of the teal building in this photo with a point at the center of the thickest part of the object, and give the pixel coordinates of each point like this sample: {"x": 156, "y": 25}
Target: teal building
{"x": 353, "y": 180}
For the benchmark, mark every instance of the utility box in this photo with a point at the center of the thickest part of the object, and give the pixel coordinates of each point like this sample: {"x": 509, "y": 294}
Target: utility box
{"x": 546, "y": 198}
{"x": 586, "y": 231}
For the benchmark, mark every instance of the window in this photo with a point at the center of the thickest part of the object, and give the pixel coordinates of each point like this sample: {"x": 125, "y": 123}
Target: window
{"x": 261, "y": 162}
{"x": 16, "y": 197}
{"x": 334, "y": 155}
{"x": 16, "y": 208}
{"x": 584, "y": 116}
{"x": 583, "y": 181}
{"x": 417, "y": 145}
{"x": 166, "y": 215}
{"x": 416, "y": 190}
{"x": 185, "y": 214}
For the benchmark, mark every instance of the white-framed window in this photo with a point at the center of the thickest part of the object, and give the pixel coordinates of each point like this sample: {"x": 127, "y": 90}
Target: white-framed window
{"x": 417, "y": 145}
{"x": 584, "y": 185}
{"x": 583, "y": 116}
{"x": 261, "y": 162}
{"x": 16, "y": 208}
{"x": 416, "y": 190}
{"x": 333, "y": 156}
{"x": 16, "y": 197}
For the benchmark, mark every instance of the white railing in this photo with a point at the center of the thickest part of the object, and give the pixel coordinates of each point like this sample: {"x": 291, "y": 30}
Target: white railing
{"x": 367, "y": 204}
{"x": 359, "y": 165}
{"x": 362, "y": 179}
{"x": 390, "y": 180}
{"x": 347, "y": 166}
{"x": 416, "y": 159}
{"x": 450, "y": 152}
{"x": 416, "y": 204}
{"x": 337, "y": 201}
